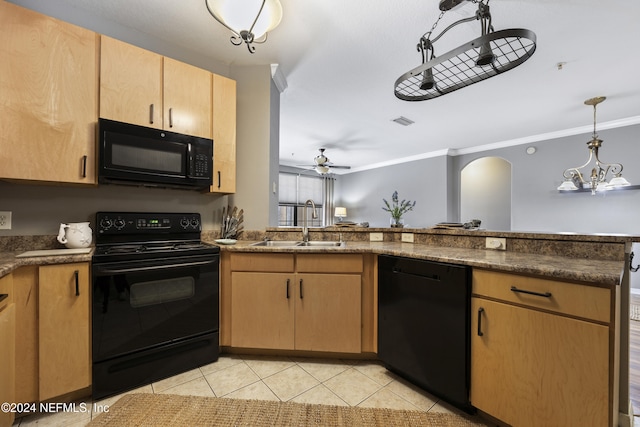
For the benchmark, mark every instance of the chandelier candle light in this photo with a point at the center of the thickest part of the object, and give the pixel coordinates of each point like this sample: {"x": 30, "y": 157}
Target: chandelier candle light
{"x": 248, "y": 20}
{"x": 573, "y": 178}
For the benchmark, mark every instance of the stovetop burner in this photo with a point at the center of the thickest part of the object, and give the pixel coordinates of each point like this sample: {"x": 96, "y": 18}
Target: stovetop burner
{"x": 135, "y": 235}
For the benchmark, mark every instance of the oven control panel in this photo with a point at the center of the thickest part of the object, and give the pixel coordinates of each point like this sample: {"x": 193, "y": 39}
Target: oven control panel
{"x": 114, "y": 223}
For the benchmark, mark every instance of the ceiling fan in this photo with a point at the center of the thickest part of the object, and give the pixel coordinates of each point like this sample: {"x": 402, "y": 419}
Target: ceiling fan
{"x": 323, "y": 165}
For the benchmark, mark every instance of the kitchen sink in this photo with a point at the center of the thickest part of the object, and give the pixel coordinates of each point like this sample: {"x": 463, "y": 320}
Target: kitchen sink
{"x": 277, "y": 243}
{"x": 297, "y": 243}
{"x": 321, "y": 244}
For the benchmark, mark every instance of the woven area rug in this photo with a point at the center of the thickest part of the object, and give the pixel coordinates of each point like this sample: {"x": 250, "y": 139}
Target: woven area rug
{"x": 634, "y": 311}
{"x": 173, "y": 410}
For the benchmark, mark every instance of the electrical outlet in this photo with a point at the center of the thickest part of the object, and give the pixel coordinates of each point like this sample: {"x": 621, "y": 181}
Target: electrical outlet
{"x": 497, "y": 243}
{"x": 407, "y": 237}
{"x": 5, "y": 220}
{"x": 376, "y": 237}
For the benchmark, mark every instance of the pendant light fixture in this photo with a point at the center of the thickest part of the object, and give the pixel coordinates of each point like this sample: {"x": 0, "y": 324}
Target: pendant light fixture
{"x": 492, "y": 53}
{"x": 573, "y": 178}
{"x": 248, "y": 20}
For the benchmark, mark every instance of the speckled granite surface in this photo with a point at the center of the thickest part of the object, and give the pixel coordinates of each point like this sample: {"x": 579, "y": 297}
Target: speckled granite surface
{"x": 593, "y": 259}
{"x": 595, "y": 272}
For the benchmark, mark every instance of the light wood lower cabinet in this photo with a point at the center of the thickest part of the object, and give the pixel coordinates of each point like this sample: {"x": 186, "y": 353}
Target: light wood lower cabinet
{"x": 53, "y": 355}
{"x": 532, "y": 362}
{"x": 295, "y": 302}
{"x": 63, "y": 329}
{"x": 7, "y": 348}
{"x": 262, "y": 306}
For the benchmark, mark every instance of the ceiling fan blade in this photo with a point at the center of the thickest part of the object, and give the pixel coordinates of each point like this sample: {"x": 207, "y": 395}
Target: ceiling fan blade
{"x": 339, "y": 167}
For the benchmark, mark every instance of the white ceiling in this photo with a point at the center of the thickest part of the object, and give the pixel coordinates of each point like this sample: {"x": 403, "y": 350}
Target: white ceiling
{"x": 341, "y": 58}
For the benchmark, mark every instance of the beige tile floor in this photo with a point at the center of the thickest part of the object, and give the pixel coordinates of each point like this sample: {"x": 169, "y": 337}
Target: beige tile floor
{"x": 326, "y": 381}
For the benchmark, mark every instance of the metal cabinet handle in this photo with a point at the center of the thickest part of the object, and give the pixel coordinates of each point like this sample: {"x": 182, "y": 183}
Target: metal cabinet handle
{"x": 76, "y": 274}
{"x": 480, "y": 311}
{"x": 288, "y": 280}
{"x": 219, "y": 179}
{"x": 151, "y": 113}
{"x": 301, "y": 296}
{"x": 170, "y": 117}
{"x": 84, "y": 166}
{"x": 538, "y": 294}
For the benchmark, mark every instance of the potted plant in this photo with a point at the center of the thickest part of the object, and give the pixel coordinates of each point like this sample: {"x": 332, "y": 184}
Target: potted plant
{"x": 397, "y": 209}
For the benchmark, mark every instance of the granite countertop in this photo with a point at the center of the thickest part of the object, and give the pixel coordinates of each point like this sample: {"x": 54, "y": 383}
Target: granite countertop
{"x": 9, "y": 262}
{"x": 589, "y": 271}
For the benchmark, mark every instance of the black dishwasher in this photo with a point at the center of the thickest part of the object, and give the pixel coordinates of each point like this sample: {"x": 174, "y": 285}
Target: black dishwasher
{"x": 423, "y": 325}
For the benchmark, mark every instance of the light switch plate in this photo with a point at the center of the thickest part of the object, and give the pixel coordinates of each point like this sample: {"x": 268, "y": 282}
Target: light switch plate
{"x": 407, "y": 237}
{"x": 497, "y": 243}
{"x": 376, "y": 237}
{"x": 5, "y": 220}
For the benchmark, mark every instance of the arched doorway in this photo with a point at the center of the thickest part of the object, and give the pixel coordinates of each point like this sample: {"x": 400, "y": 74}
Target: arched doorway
{"x": 485, "y": 193}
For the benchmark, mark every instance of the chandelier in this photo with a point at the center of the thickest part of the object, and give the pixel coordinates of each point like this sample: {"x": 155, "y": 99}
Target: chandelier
{"x": 574, "y": 179}
{"x": 492, "y": 53}
{"x": 248, "y": 20}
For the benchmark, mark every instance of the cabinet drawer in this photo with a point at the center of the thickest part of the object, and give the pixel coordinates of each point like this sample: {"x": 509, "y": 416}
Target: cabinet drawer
{"x": 329, "y": 263}
{"x": 567, "y": 298}
{"x": 264, "y": 262}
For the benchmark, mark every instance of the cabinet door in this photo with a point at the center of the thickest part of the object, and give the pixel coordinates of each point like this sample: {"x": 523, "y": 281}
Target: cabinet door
{"x": 63, "y": 334}
{"x": 530, "y": 368}
{"x": 187, "y": 99}
{"x": 25, "y": 285}
{"x": 7, "y": 360}
{"x": 49, "y": 101}
{"x": 130, "y": 84}
{"x": 224, "y": 135}
{"x": 262, "y": 310}
{"x": 328, "y": 312}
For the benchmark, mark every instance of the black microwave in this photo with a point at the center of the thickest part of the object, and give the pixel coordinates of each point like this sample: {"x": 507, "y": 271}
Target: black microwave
{"x": 138, "y": 155}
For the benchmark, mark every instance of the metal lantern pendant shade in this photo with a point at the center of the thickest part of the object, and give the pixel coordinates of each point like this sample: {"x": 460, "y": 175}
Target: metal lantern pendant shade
{"x": 248, "y": 20}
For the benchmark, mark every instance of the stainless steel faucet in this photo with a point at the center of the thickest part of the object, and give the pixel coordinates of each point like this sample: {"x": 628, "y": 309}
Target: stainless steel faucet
{"x": 314, "y": 215}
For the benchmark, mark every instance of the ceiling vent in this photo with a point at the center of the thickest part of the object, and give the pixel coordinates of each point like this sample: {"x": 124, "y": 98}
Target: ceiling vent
{"x": 403, "y": 121}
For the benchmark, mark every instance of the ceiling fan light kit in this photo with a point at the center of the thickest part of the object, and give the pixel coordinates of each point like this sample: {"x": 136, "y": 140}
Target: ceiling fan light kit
{"x": 248, "y": 20}
{"x": 493, "y": 53}
{"x": 323, "y": 165}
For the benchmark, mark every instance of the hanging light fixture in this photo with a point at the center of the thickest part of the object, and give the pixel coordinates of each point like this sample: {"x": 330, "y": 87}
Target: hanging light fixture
{"x": 573, "y": 178}
{"x": 248, "y": 20}
{"x": 492, "y": 53}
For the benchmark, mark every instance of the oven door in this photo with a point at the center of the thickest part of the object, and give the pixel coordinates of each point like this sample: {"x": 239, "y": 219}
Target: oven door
{"x": 145, "y": 304}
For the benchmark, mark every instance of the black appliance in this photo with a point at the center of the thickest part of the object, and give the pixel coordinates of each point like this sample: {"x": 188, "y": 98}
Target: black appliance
{"x": 137, "y": 155}
{"x": 155, "y": 299}
{"x": 424, "y": 325}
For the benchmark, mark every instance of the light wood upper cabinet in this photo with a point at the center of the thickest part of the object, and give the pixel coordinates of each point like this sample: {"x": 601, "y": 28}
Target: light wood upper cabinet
{"x": 63, "y": 329}
{"x": 130, "y": 84}
{"x": 224, "y": 135}
{"x": 533, "y": 361}
{"x": 141, "y": 87}
{"x": 49, "y": 98}
{"x": 187, "y": 99}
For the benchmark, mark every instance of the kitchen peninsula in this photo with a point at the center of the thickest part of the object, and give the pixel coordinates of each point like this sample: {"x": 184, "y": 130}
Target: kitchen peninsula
{"x": 560, "y": 298}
